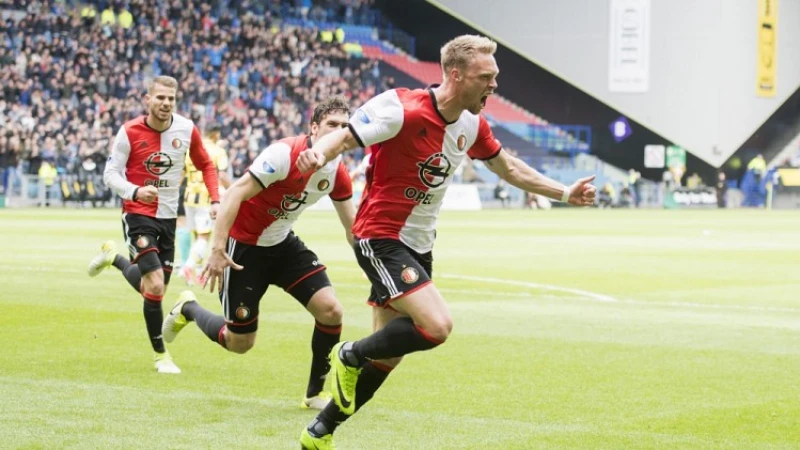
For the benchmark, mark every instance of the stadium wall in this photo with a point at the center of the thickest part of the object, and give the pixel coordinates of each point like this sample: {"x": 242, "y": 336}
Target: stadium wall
{"x": 702, "y": 61}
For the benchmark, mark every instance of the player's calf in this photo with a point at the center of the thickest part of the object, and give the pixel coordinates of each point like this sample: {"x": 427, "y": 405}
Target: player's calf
{"x": 240, "y": 343}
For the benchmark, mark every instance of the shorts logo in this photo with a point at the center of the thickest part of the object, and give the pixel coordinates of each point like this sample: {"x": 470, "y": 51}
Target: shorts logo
{"x": 323, "y": 184}
{"x": 158, "y": 163}
{"x": 435, "y": 170}
{"x": 461, "y": 142}
{"x": 242, "y": 313}
{"x": 409, "y": 275}
{"x": 176, "y": 143}
{"x": 142, "y": 242}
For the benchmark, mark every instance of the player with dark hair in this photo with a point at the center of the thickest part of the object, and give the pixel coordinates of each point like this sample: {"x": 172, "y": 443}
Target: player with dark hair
{"x": 145, "y": 168}
{"x": 418, "y": 138}
{"x": 254, "y": 247}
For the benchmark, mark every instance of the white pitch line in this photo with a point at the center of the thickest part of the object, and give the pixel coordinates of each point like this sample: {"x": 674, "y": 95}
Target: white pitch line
{"x": 602, "y": 298}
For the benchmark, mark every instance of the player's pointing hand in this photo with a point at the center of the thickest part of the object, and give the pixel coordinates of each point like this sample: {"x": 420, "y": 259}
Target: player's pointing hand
{"x": 310, "y": 160}
{"x": 582, "y": 192}
{"x": 212, "y": 272}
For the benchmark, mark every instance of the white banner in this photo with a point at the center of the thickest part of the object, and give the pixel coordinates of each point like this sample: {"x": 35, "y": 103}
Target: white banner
{"x": 654, "y": 156}
{"x": 629, "y": 46}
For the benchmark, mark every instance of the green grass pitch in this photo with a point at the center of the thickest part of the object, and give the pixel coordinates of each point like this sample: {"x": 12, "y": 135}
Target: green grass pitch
{"x": 575, "y": 329}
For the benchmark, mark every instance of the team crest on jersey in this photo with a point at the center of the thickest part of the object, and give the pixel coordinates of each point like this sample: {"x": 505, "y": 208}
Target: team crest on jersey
{"x": 292, "y": 202}
{"x": 158, "y": 163}
{"x": 435, "y": 170}
{"x": 242, "y": 313}
{"x": 409, "y": 275}
{"x": 323, "y": 184}
{"x": 142, "y": 242}
{"x": 462, "y": 141}
{"x": 176, "y": 143}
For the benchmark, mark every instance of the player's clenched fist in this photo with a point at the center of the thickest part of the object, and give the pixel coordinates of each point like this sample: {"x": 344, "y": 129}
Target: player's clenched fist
{"x": 147, "y": 194}
{"x": 309, "y": 160}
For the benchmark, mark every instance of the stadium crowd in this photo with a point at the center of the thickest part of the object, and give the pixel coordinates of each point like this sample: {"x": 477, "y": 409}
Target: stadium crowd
{"x": 72, "y": 74}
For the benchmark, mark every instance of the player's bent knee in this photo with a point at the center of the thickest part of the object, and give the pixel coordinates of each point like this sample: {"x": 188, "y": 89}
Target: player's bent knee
{"x": 240, "y": 343}
{"x": 331, "y": 314}
{"x": 437, "y": 331}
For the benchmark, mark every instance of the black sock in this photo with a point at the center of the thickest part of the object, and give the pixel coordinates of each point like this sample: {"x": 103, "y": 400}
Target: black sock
{"x": 372, "y": 377}
{"x": 399, "y": 337}
{"x": 130, "y": 271}
{"x": 209, "y": 323}
{"x": 322, "y": 341}
{"x": 153, "y": 316}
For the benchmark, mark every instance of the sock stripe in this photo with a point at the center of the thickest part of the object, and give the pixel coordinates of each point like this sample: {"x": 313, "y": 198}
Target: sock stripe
{"x": 427, "y": 336}
{"x": 382, "y": 367}
{"x": 221, "y": 336}
{"x": 328, "y": 329}
{"x": 151, "y": 297}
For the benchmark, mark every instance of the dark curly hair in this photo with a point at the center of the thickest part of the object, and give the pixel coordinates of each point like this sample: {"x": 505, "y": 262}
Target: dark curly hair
{"x": 329, "y": 105}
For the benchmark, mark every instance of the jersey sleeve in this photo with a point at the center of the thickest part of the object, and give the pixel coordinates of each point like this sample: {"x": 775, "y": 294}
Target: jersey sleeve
{"x": 203, "y": 162}
{"x": 272, "y": 164}
{"x": 342, "y": 186}
{"x": 114, "y": 173}
{"x": 378, "y": 120}
{"x": 486, "y": 146}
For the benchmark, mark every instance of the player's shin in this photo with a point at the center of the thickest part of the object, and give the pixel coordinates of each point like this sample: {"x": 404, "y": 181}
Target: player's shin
{"x": 372, "y": 376}
{"x": 322, "y": 341}
{"x": 212, "y": 325}
{"x": 399, "y": 337}
{"x": 153, "y": 317}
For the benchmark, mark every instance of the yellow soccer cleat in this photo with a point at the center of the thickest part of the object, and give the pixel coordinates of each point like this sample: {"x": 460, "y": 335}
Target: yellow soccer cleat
{"x": 309, "y": 442}
{"x": 344, "y": 382}
{"x": 317, "y": 402}
{"x": 175, "y": 320}
{"x": 104, "y": 259}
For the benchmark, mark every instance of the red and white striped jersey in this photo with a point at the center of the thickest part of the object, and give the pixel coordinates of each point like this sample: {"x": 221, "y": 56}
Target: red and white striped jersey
{"x": 414, "y": 155}
{"x": 142, "y": 156}
{"x": 267, "y": 218}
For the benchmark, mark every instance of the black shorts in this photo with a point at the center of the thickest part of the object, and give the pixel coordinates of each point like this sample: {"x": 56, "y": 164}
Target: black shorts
{"x": 144, "y": 234}
{"x": 181, "y": 193}
{"x": 289, "y": 265}
{"x": 394, "y": 269}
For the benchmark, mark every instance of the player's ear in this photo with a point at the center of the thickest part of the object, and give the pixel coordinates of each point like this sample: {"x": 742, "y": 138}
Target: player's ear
{"x": 314, "y": 129}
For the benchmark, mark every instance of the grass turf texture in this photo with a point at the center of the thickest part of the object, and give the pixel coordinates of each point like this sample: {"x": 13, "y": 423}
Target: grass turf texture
{"x": 573, "y": 329}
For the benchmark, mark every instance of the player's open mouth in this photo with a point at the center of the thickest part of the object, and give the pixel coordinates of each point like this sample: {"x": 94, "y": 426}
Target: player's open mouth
{"x": 483, "y": 101}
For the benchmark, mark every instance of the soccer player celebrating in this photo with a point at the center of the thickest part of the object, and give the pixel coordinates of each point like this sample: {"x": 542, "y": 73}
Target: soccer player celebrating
{"x": 418, "y": 138}
{"x": 145, "y": 169}
{"x": 254, "y": 247}
{"x": 197, "y": 201}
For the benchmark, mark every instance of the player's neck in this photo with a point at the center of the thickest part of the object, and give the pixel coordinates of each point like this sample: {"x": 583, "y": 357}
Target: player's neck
{"x": 447, "y": 103}
{"x": 156, "y": 124}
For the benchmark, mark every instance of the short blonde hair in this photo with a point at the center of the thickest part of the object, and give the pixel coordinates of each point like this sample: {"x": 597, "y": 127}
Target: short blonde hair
{"x": 163, "y": 80}
{"x": 458, "y": 51}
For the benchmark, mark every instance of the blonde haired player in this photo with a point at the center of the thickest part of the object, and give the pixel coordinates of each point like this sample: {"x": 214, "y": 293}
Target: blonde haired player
{"x": 198, "y": 203}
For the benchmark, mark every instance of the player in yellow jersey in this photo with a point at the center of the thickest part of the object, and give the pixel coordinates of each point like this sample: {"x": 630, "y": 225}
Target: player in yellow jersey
{"x": 197, "y": 201}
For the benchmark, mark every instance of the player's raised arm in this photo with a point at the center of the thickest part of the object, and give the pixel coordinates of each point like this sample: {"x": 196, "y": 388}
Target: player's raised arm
{"x": 378, "y": 120}
{"x": 525, "y": 177}
{"x": 114, "y": 173}
{"x": 202, "y": 161}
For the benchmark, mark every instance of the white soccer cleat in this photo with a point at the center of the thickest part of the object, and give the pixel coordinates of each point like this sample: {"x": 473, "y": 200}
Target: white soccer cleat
{"x": 317, "y": 402}
{"x": 164, "y": 364}
{"x": 175, "y": 320}
{"x": 104, "y": 259}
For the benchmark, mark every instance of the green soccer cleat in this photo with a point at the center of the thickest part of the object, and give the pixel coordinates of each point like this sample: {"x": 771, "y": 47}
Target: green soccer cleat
{"x": 164, "y": 364}
{"x": 175, "y": 320}
{"x": 344, "y": 380}
{"x": 317, "y": 402}
{"x": 104, "y": 259}
{"x": 309, "y": 442}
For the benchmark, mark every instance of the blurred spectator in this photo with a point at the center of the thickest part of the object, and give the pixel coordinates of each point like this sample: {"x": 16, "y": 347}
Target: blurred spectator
{"x": 758, "y": 166}
{"x": 694, "y": 181}
{"x": 722, "y": 189}
{"x": 501, "y": 193}
{"x": 606, "y": 196}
